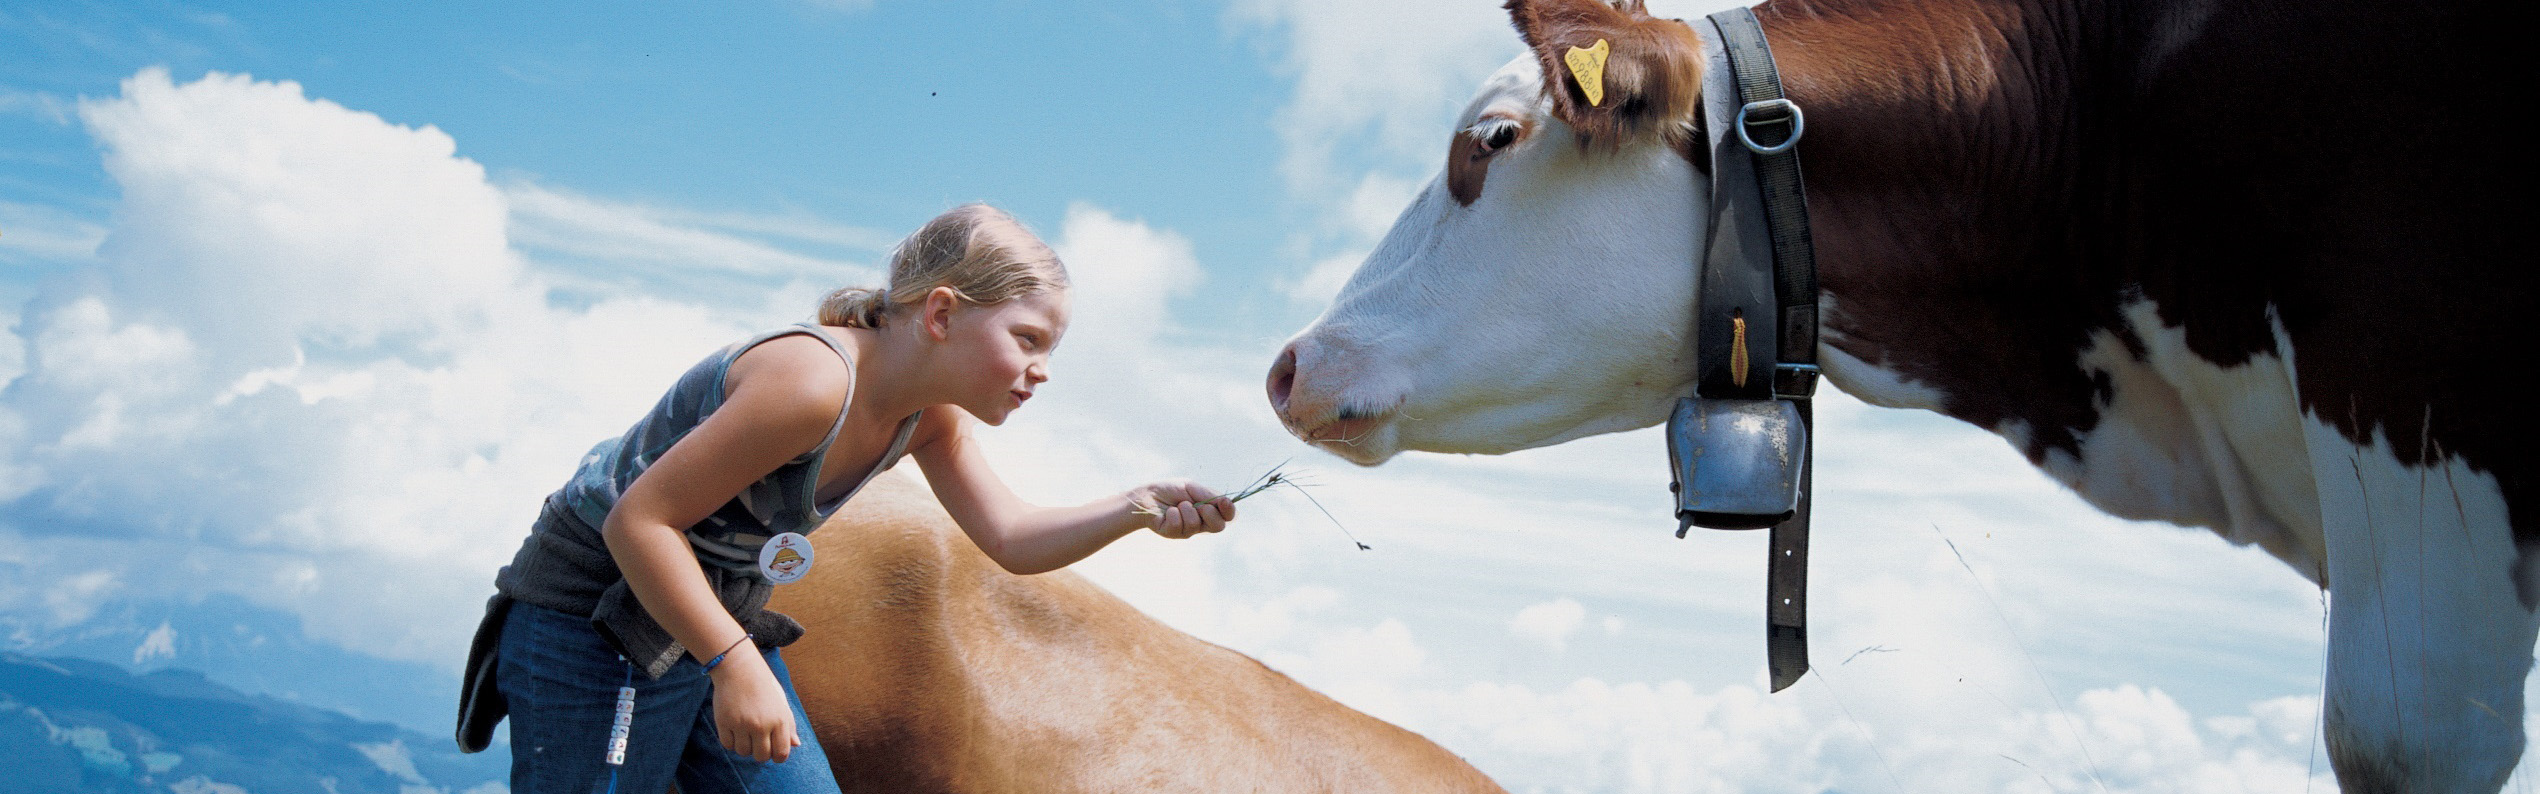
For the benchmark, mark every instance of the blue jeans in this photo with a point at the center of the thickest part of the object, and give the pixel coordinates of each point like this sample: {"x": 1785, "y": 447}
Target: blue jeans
{"x": 562, "y": 681}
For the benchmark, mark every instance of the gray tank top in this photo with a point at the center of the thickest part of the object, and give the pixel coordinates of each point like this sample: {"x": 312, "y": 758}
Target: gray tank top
{"x": 783, "y": 501}
{"x": 565, "y": 565}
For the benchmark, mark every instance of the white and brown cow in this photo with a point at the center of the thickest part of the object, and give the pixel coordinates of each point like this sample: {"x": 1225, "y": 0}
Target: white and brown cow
{"x": 2240, "y": 265}
{"x": 927, "y": 669}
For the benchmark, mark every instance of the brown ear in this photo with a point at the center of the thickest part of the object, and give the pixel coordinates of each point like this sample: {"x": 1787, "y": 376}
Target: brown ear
{"x": 1652, "y": 81}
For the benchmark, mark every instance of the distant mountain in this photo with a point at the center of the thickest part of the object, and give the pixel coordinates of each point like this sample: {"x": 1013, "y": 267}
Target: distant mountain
{"x": 253, "y": 648}
{"x": 77, "y": 725}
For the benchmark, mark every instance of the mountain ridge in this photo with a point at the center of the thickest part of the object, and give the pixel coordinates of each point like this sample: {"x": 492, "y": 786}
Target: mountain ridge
{"x": 70, "y": 724}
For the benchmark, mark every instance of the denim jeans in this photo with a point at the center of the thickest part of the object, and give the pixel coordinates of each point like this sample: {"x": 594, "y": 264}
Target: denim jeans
{"x": 562, "y": 682}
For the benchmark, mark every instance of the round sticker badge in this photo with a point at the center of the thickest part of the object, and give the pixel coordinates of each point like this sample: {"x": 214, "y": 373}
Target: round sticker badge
{"x": 785, "y": 558}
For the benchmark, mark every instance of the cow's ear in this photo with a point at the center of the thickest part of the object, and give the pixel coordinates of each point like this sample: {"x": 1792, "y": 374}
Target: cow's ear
{"x": 1615, "y": 73}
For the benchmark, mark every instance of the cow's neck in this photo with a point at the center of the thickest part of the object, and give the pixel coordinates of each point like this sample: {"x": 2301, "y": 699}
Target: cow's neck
{"x": 1943, "y": 169}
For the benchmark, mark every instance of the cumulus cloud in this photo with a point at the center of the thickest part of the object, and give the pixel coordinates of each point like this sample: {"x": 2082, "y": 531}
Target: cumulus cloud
{"x": 307, "y": 367}
{"x": 1548, "y": 624}
{"x": 1591, "y": 735}
{"x": 1381, "y": 75}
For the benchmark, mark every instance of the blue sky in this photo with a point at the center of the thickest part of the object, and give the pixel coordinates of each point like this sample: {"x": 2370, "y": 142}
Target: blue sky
{"x": 309, "y": 304}
{"x": 887, "y": 114}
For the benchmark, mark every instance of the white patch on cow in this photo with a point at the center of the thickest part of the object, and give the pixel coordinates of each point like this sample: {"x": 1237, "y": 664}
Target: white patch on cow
{"x": 2428, "y": 641}
{"x": 2183, "y": 440}
{"x": 1872, "y": 384}
{"x": 2247, "y": 431}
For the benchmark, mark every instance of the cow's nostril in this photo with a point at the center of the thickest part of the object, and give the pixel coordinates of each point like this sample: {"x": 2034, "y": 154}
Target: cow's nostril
{"x": 1282, "y": 379}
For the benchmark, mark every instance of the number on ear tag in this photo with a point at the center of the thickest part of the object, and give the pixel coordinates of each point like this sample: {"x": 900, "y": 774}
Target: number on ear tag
{"x": 1588, "y": 65}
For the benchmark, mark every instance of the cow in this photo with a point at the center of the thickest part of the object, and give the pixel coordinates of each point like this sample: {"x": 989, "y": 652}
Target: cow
{"x": 2236, "y": 265}
{"x": 926, "y": 668}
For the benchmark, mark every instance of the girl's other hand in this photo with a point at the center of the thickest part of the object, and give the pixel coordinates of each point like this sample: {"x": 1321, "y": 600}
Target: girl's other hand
{"x": 1180, "y": 508}
{"x": 750, "y": 712}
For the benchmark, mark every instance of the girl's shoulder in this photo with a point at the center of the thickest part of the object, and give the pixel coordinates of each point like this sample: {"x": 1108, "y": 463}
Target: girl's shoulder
{"x": 792, "y": 367}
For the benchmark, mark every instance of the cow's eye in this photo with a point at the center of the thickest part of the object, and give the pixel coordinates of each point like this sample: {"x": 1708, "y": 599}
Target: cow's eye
{"x": 1494, "y": 134}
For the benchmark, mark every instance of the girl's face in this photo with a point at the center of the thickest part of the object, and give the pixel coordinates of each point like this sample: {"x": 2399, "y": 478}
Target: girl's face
{"x": 1000, "y": 354}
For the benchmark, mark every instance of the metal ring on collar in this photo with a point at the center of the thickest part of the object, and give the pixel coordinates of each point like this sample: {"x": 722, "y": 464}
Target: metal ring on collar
{"x": 1798, "y": 125}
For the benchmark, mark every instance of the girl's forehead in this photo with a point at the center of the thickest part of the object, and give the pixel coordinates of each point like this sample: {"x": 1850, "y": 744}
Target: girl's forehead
{"x": 1047, "y": 306}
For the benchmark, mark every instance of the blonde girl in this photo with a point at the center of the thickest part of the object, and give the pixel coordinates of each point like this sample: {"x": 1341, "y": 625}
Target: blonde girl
{"x": 629, "y": 640}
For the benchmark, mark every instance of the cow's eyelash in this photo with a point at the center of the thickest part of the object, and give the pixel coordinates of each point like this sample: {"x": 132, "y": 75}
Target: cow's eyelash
{"x": 1490, "y": 127}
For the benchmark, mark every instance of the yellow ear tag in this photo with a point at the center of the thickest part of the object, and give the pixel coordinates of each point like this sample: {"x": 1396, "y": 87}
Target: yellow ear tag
{"x": 1588, "y": 65}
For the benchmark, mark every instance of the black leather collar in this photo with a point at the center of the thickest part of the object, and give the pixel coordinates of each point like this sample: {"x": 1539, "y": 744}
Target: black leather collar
{"x": 1756, "y": 317}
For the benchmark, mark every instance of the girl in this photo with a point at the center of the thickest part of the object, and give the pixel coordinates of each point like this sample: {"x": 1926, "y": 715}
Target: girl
{"x": 629, "y": 639}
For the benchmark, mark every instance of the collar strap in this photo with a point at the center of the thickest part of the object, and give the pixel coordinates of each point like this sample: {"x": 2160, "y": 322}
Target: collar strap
{"x": 1756, "y": 317}
{"x": 1760, "y": 275}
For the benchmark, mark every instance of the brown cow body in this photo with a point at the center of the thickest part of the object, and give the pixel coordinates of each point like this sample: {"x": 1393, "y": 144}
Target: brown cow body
{"x": 1997, "y": 183}
{"x": 927, "y": 668}
{"x": 1993, "y": 181}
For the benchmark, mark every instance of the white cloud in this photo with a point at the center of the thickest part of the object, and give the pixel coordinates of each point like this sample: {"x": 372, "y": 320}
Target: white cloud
{"x": 311, "y": 370}
{"x": 12, "y": 364}
{"x": 34, "y": 104}
{"x": 1382, "y": 76}
{"x": 253, "y": 216}
{"x": 31, "y": 233}
{"x": 160, "y": 643}
{"x": 715, "y": 258}
{"x": 199, "y": 784}
{"x": 1548, "y": 624}
{"x": 1126, "y": 275}
{"x": 393, "y": 758}
{"x": 1591, "y": 735}
{"x": 1376, "y": 88}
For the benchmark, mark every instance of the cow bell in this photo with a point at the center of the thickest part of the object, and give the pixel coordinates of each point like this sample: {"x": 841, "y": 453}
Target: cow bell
{"x": 1737, "y": 463}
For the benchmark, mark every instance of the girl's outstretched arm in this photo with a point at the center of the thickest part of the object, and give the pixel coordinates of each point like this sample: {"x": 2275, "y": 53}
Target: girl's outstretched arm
{"x": 1025, "y": 538}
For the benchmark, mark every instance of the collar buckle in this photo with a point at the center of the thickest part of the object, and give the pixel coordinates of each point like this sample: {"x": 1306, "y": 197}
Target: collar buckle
{"x": 1763, "y": 112}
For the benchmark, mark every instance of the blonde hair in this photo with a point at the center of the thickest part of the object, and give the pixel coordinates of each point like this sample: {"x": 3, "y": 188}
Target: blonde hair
{"x": 983, "y": 254}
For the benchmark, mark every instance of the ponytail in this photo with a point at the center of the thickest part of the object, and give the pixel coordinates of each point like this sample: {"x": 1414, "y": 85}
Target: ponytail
{"x": 856, "y": 307}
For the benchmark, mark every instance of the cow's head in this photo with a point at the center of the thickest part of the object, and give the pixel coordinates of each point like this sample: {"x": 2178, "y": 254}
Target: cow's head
{"x": 1541, "y": 288}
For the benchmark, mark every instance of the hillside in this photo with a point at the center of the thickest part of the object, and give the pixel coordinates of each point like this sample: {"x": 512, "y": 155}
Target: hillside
{"x": 75, "y": 725}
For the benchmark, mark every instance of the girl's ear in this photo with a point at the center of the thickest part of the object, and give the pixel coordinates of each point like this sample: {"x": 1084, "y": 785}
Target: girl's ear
{"x": 936, "y": 316}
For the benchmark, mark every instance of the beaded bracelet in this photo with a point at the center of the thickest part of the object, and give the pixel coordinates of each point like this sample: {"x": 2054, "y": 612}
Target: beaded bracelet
{"x": 727, "y": 650}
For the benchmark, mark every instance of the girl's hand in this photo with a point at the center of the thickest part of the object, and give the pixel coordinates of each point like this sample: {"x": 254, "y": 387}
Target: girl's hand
{"x": 750, "y": 712}
{"x": 1178, "y": 509}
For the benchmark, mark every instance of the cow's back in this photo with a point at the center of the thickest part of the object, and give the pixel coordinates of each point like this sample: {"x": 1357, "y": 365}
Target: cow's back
{"x": 928, "y": 668}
